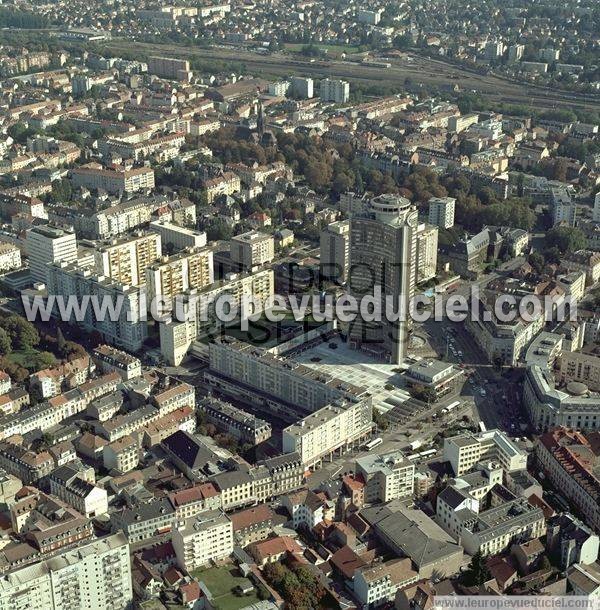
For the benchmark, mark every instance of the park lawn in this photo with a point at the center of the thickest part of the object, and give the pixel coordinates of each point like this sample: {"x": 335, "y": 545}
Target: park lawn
{"x": 221, "y": 582}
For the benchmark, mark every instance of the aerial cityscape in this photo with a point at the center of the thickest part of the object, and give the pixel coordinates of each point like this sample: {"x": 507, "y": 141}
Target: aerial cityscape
{"x": 299, "y": 304}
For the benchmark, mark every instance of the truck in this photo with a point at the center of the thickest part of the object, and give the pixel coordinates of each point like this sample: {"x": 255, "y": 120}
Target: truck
{"x": 415, "y": 444}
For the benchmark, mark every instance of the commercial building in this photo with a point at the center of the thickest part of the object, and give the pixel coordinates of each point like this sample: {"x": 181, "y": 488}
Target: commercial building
{"x": 335, "y": 251}
{"x": 252, "y": 249}
{"x": 466, "y": 450}
{"x": 438, "y": 376}
{"x": 548, "y": 406}
{"x": 441, "y": 212}
{"x": 339, "y": 415}
{"x": 387, "y": 477}
{"x": 337, "y": 91}
{"x": 383, "y": 252}
{"x": 201, "y": 539}
{"x": 47, "y": 245}
{"x": 580, "y": 367}
{"x": 63, "y": 582}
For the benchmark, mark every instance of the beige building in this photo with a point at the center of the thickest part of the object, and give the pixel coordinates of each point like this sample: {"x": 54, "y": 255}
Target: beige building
{"x": 121, "y": 455}
{"x": 10, "y": 257}
{"x": 116, "y": 181}
{"x": 252, "y": 249}
{"x": 427, "y": 252}
{"x": 201, "y": 539}
{"x": 466, "y": 450}
{"x": 580, "y": 367}
{"x": 387, "y": 477}
{"x": 335, "y": 250}
{"x": 187, "y": 270}
{"x": 126, "y": 260}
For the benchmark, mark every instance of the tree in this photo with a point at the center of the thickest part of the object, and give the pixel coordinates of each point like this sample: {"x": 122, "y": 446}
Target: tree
{"x": 566, "y": 239}
{"x": 23, "y": 333}
{"x": 61, "y": 343}
{"x": 477, "y": 572}
{"x": 537, "y": 261}
{"x": 41, "y": 361}
{"x": 5, "y": 343}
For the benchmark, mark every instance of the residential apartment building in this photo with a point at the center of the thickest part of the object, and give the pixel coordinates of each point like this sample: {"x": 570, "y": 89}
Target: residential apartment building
{"x": 47, "y": 245}
{"x": 337, "y": 91}
{"x": 377, "y": 584}
{"x": 227, "y": 183}
{"x": 127, "y": 330}
{"x": 569, "y": 459}
{"x": 110, "y": 359}
{"x": 252, "y": 249}
{"x": 466, "y": 450}
{"x": 427, "y": 252}
{"x": 387, "y": 477}
{"x": 245, "y": 427}
{"x": 126, "y": 260}
{"x": 63, "y": 581}
{"x": 179, "y": 237}
{"x": 441, "y": 212}
{"x": 335, "y": 251}
{"x": 171, "y": 276}
{"x": 201, "y": 539}
{"x": 493, "y": 531}
{"x": 177, "y": 335}
{"x": 117, "y": 181}
{"x": 10, "y": 257}
{"x": 340, "y": 414}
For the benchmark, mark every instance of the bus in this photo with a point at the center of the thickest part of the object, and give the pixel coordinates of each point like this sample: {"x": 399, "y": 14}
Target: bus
{"x": 427, "y": 453}
{"x": 453, "y": 405}
{"x": 373, "y": 443}
{"x": 482, "y": 427}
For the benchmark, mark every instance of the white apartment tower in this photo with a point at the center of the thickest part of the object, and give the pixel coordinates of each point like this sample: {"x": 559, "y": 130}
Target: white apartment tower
{"x": 337, "y": 91}
{"x": 441, "y": 212}
{"x": 95, "y": 575}
{"x": 47, "y": 245}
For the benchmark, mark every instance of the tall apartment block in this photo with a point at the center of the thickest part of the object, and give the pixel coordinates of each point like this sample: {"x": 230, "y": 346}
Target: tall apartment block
{"x": 337, "y": 91}
{"x": 441, "y": 212}
{"x": 383, "y": 252}
{"x": 189, "y": 269}
{"x": 47, "y": 245}
{"x": 95, "y": 575}
{"x": 335, "y": 251}
{"x": 128, "y": 328}
{"x": 125, "y": 260}
{"x": 302, "y": 87}
{"x": 252, "y": 249}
